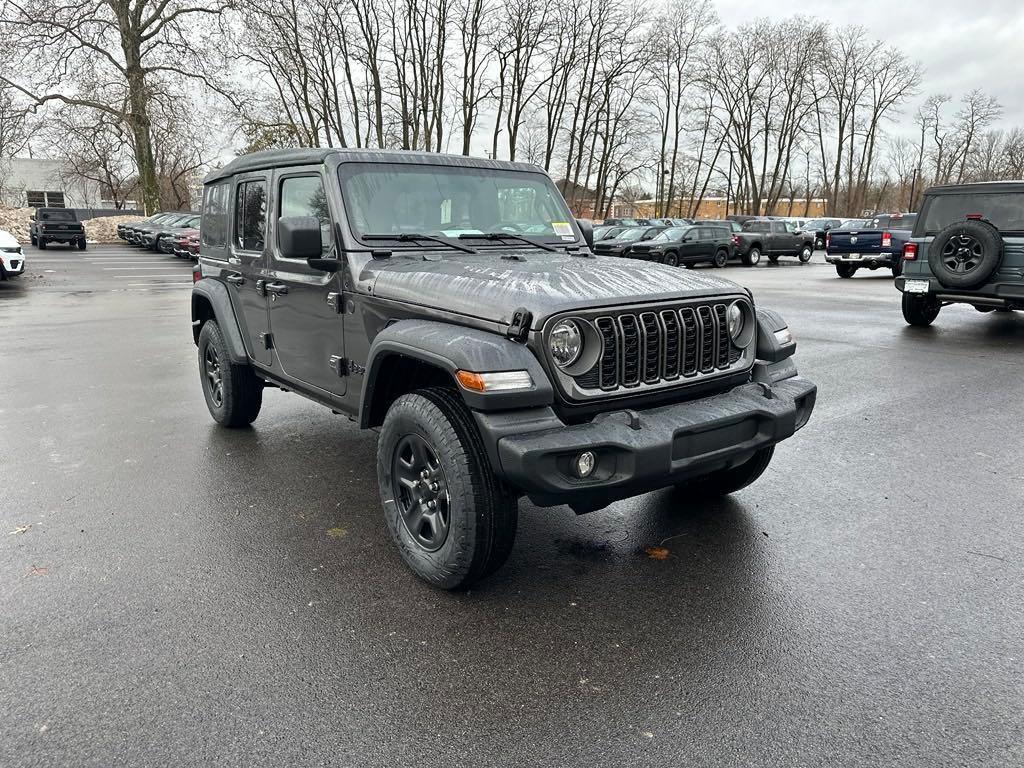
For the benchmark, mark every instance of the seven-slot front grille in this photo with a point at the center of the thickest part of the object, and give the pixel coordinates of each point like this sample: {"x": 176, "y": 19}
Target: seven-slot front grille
{"x": 658, "y": 346}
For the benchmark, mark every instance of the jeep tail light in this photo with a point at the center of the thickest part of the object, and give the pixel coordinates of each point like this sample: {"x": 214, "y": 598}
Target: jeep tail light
{"x": 197, "y": 273}
{"x": 886, "y": 240}
{"x": 910, "y": 252}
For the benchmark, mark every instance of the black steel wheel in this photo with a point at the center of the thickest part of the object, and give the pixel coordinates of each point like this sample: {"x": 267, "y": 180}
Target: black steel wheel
{"x": 420, "y": 491}
{"x": 721, "y": 258}
{"x": 965, "y": 254}
{"x": 671, "y": 259}
{"x": 233, "y": 393}
{"x": 452, "y": 520}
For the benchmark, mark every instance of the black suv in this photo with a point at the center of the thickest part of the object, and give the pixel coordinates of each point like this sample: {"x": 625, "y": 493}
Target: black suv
{"x": 967, "y": 247}
{"x": 687, "y": 245}
{"x": 454, "y": 305}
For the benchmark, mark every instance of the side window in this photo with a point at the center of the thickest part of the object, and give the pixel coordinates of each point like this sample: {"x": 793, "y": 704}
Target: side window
{"x": 215, "y": 215}
{"x": 305, "y": 196}
{"x": 251, "y": 215}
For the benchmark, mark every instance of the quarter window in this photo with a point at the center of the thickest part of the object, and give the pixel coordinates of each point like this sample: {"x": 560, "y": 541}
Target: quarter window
{"x": 215, "y": 215}
{"x": 251, "y": 215}
{"x": 305, "y": 196}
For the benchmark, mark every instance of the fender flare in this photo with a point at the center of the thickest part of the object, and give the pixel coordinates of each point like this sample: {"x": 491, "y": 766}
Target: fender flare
{"x": 216, "y": 295}
{"x": 453, "y": 348}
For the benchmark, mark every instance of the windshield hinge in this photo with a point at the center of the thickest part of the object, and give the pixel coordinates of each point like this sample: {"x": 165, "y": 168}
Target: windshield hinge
{"x": 520, "y": 325}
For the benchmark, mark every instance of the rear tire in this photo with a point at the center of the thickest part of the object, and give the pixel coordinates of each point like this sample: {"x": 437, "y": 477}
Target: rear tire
{"x": 920, "y": 311}
{"x": 477, "y": 514}
{"x": 846, "y": 270}
{"x": 752, "y": 257}
{"x": 726, "y": 481}
{"x": 81, "y": 244}
{"x": 234, "y": 394}
{"x": 721, "y": 258}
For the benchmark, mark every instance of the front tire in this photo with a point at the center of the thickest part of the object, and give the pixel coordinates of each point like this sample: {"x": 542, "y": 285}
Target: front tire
{"x": 726, "y": 481}
{"x": 234, "y": 394}
{"x": 671, "y": 259}
{"x": 453, "y": 521}
{"x": 42, "y": 243}
{"x": 920, "y": 311}
{"x": 81, "y": 244}
{"x": 805, "y": 254}
{"x": 846, "y": 270}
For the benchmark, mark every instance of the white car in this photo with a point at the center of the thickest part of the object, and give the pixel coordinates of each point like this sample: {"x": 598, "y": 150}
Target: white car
{"x": 12, "y": 260}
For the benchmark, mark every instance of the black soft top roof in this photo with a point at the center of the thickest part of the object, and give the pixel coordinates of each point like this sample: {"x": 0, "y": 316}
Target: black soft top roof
{"x": 282, "y": 158}
{"x": 979, "y": 186}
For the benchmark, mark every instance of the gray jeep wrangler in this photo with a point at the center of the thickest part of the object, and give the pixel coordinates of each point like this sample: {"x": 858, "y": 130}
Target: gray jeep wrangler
{"x": 454, "y": 305}
{"x": 967, "y": 247}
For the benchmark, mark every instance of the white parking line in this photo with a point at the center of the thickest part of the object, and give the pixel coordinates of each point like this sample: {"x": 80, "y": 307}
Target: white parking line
{"x": 128, "y": 269}
{"x": 136, "y": 277}
{"x": 158, "y": 285}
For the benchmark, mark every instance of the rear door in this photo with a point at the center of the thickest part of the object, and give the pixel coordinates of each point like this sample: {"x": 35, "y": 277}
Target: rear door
{"x": 305, "y": 303}
{"x": 247, "y": 261}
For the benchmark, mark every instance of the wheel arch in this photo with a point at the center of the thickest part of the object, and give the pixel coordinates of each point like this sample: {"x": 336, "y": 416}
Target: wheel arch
{"x": 210, "y": 301}
{"x": 412, "y": 354}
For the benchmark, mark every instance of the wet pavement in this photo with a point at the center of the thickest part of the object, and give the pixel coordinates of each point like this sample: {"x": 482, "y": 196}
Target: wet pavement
{"x": 178, "y": 594}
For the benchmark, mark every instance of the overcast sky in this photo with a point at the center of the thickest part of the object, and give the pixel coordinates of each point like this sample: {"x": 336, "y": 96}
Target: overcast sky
{"x": 963, "y": 44}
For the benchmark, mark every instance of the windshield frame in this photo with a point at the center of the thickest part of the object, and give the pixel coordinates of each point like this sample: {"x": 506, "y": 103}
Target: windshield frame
{"x": 347, "y": 169}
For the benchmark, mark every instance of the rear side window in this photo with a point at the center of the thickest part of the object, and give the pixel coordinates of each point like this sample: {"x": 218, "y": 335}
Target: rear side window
{"x": 251, "y": 215}
{"x": 1005, "y": 210}
{"x": 215, "y": 215}
{"x": 305, "y": 196}
{"x": 757, "y": 226}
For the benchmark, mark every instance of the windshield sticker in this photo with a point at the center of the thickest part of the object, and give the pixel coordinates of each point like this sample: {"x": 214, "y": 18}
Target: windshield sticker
{"x": 562, "y": 228}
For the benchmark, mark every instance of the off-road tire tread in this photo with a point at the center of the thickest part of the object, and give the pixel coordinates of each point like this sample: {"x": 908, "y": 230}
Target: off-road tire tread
{"x": 243, "y": 389}
{"x": 497, "y": 510}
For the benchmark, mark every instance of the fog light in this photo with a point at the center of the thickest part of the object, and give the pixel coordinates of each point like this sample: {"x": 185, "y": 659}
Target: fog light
{"x": 585, "y": 464}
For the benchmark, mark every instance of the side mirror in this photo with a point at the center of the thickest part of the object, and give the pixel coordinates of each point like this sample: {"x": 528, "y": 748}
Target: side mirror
{"x": 298, "y": 237}
{"x": 587, "y": 229}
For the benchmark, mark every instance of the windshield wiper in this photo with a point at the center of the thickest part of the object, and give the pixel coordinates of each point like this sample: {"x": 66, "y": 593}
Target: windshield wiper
{"x": 408, "y": 237}
{"x": 506, "y": 236}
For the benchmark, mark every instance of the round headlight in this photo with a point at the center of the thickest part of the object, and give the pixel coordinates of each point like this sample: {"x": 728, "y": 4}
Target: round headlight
{"x": 566, "y": 343}
{"x": 735, "y": 320}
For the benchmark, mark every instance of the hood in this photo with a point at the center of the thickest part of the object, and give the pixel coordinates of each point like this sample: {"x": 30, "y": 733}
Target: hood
{"x": 491, "y": 288}
{"x": 7, "y": 240}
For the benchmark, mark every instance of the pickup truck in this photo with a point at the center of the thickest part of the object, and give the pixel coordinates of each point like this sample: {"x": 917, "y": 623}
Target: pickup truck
{"x": 870, "y": 243}
{"x": 772, "y": 239}
{"x": 56, "y": 225}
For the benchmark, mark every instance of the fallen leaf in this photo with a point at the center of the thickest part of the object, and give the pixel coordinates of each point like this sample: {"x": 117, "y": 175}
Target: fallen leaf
{"x": 657, "y": 553}
{"x": 20, "y": 529}
{"x": 336, "y": 533}
{"x": 35, "y": 570}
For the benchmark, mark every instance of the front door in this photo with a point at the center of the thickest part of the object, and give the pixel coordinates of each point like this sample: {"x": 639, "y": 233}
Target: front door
{"x": 306, "y": 307}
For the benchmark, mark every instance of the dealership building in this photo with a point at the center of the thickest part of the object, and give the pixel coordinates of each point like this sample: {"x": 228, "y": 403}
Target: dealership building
{"x": 37, "y": 182}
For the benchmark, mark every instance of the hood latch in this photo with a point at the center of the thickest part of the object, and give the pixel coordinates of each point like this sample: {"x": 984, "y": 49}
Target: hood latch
{"x": 519, "y": 328}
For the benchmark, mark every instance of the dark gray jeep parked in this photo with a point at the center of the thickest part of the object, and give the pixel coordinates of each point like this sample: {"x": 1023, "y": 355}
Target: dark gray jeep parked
{"x": 967, "y": 247}
{"x": 454, "y": 305}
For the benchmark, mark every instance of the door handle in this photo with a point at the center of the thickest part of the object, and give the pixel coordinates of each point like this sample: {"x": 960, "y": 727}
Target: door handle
{"x": 235, "y": 279}
{"x": 278, "y": 289}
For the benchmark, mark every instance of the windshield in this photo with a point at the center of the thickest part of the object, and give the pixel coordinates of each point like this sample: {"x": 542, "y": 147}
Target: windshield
{"x": 855, "y": 224}
{"x": 631, "y": 234}
{"x": 1004, "y": 210}
{"x": 670, "y": 234}
{"x": 448, "y": 201}
{"x": 57, "y": 216}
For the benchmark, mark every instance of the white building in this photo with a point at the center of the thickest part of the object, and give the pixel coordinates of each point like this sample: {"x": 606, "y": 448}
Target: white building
{"x": 36, "y": 182}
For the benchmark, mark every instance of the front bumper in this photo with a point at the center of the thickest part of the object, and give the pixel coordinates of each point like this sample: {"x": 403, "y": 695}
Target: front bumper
{"x": 641, "y": 451}
{"x": 870, "y": 260}
{"x": 12, "y": 264}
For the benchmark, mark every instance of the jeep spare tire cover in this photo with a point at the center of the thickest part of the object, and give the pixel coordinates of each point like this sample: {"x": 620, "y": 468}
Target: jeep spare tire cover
{"x": 965, "y": 254}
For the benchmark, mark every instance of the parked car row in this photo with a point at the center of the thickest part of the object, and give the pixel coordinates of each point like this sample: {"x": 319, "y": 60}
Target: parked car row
{"x": 174, "y": 232}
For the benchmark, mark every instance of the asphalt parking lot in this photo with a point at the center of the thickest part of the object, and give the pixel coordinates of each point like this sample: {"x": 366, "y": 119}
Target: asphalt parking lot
{"x": 178, "y": 594}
